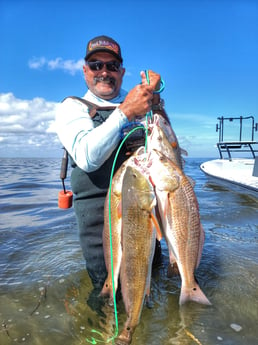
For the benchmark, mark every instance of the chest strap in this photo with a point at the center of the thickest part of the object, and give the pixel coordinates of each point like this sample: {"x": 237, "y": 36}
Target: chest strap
{"x": 93, "y": 108}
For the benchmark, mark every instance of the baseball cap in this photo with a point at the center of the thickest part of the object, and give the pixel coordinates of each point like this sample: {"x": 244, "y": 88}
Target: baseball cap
{"x": 103, "y": 44}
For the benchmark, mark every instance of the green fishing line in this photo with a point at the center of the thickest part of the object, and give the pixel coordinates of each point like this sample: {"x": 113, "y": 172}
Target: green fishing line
{"x": 149, "y": 114}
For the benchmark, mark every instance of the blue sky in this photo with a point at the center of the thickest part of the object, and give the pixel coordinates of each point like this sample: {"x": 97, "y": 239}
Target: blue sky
{"x": 206, "y": 52}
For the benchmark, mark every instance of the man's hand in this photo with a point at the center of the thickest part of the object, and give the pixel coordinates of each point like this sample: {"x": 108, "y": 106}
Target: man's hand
{"x": 154, "y": 79}
{"x": 139, "y": 100}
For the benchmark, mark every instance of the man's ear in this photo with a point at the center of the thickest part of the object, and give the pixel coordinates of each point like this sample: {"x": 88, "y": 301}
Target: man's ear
{"x": 122, "y": 71}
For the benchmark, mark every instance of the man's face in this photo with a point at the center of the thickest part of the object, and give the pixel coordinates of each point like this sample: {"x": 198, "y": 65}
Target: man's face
{"x": 103, "y": 83}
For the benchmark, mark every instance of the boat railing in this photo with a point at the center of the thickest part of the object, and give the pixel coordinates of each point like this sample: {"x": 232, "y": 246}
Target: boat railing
{"x": 238, "y": 145}
{"x": 230, "y": 147}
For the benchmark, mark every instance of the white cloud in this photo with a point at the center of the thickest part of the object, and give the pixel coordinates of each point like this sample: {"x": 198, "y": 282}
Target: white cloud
{"x": 37, "y": 63}
{"x": 69, "y": 66}
{"x": 27, "y": 127}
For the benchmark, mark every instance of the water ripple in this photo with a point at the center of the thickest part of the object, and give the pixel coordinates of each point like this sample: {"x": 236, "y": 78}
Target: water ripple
{"x": 40, "y": 250}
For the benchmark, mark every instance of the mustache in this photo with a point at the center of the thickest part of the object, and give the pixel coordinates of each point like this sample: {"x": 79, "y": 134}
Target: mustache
{"x": 108, "y": 80}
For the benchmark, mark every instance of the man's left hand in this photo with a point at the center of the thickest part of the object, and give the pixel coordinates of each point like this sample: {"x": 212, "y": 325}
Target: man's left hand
{"x": 154, "y": 79}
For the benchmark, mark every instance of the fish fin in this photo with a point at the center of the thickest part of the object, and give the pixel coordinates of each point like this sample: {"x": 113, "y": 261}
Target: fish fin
{"x": 166, "y": 205}
{"x": 173, "y": 144}
{"x": 201, "y": 242}
{"x": 183, "y": 152}
{"x": 107, "y": 291}
{"x": 154, "y": 203}
{"x": 147, "y": 294}
{"x": 125, "y": 337}
{"x": 172, "y": 269}
{"x": 148, "y": 301}
{"x": 157, "y": 214}
{"x": 151, "y": 181}
{"x": 157, "y": 227}
{"x": 191, "y": 180}
{"x": 119, "y": 210}
{"x": 194, "y": 294}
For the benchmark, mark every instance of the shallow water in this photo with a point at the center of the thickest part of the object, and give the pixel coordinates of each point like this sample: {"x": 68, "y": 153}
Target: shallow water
{"x": 45, "y": 292}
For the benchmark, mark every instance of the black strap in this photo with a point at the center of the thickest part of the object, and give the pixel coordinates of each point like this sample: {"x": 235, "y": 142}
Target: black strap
{"x": 93, "y": 108}
{"x": 63, "y": 170}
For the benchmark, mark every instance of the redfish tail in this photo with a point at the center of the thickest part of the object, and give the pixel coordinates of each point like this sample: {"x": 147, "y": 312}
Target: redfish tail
{"x": 125, "y": 337}
{"x": 172, "y": 270}
{"x": 107, "y": 292}
{"x": 193, "y": 294}
{"x": 157, "y": 227}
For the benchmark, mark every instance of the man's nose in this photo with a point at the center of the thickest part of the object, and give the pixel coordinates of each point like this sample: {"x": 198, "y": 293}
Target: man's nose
{"x": 104, "y": 70}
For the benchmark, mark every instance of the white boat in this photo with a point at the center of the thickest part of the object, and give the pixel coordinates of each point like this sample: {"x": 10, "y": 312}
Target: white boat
{"x": 237, "y": 167}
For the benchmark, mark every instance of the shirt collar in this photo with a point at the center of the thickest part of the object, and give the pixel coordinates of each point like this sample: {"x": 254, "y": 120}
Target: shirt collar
{"x": 102, "y": 102}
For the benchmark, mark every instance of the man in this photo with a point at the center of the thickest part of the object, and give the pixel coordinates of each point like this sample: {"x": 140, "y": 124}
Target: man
{"x": 90, "y": 130}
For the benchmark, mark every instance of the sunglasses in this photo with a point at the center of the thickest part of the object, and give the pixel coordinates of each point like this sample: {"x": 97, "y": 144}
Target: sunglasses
{"x": 112, "y": 66}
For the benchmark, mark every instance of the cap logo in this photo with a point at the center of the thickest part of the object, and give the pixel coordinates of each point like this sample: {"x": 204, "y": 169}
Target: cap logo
{"x": 103, "y": 44}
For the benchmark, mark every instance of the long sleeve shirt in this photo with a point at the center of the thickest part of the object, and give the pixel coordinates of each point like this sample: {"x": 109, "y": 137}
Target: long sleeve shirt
{"x": 89, "y": 146}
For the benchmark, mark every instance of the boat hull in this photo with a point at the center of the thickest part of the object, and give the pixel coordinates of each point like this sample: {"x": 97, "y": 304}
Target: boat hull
{"x": 237, "y": 172}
